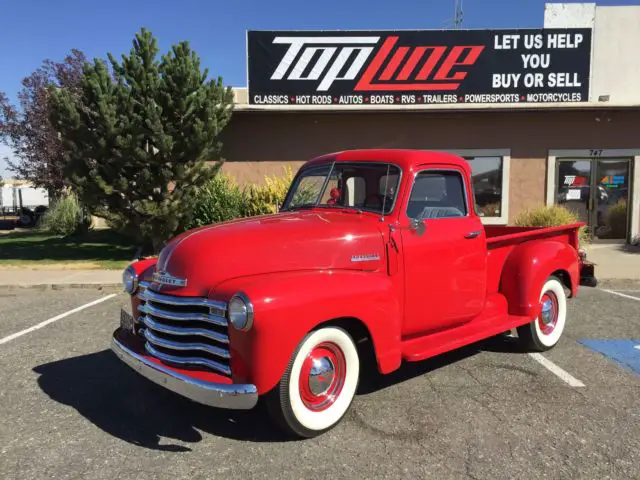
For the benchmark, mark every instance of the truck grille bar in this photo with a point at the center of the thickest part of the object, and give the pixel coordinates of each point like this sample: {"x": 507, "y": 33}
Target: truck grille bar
{"x": 186, "y": 331}
{"x": 188, "y": 360}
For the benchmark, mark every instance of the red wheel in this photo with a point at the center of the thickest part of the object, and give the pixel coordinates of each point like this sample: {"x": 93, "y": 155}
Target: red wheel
{"x": 322, "y": 376}
{"x": 548, "y": 318}
{"x": 319, "y": 384}
{"x": 545, "y": 331}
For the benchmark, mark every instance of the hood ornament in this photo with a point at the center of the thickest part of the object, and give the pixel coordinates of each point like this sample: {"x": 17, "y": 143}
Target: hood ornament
{"x": 165, "y": 278}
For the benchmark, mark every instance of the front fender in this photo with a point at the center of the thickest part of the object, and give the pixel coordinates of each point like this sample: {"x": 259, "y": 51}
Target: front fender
{"x": 528, "y": 266}
{"x": 288, "y": 305}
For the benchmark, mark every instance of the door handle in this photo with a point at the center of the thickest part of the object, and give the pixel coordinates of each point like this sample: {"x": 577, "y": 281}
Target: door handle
{"x": 472, "y": 234}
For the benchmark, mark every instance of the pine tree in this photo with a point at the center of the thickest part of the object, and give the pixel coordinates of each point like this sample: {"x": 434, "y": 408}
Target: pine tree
{"x": 141, "y": 137}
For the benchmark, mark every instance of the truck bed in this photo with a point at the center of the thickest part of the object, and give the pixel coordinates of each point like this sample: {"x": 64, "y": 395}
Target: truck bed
{"x": 502, "y": 240}
{"x": 500, "y": 236}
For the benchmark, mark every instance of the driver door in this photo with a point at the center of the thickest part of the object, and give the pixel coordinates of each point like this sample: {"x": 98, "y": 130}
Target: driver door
{"x": 444, "y": 253}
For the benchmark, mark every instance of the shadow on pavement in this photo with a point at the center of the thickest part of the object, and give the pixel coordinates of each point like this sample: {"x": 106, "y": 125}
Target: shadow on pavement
{"x": 120, "y": 402}
{"x": 373, "y": 381}
{"x": 626, "y": 248}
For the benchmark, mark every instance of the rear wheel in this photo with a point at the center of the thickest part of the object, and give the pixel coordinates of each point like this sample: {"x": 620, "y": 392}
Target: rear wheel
{"x": 318, "y": 385}
{"x": 545, "y": 331}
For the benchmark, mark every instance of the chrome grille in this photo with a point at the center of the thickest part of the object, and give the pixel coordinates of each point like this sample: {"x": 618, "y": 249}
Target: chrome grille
{"x": 185, "y": 331}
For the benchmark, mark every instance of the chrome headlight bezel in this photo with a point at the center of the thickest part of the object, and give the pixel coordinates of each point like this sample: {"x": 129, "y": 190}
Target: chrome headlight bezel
{"x": 130, "y": 280}
{"x": 240, "y": 312}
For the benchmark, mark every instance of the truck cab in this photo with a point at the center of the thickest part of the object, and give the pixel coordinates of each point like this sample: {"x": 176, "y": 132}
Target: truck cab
{"x": 375, "y": 254}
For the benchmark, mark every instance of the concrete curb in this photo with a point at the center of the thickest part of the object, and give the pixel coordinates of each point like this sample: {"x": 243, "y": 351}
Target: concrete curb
{"x": 107, "y": 287}
{"x": 614, "y": 283}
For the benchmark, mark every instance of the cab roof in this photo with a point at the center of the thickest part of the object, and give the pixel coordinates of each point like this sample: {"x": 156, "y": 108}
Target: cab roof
{"x": 404, "y": 158}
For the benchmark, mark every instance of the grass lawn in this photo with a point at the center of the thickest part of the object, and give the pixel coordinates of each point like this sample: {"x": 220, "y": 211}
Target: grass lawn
{"x": 96, "y": 249}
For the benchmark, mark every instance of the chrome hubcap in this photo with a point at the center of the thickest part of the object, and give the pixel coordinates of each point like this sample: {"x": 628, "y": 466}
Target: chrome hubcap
{"x": 321, "y": 375}
{"x": 547, "y": 312}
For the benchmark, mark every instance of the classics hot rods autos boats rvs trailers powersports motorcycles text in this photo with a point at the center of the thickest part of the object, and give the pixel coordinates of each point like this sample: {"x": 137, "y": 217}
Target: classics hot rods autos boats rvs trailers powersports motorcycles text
{"x": 374, "y": 254}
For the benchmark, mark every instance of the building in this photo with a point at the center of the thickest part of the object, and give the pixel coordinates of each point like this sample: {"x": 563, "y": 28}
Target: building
{"x": 574, "y": 140}
{"x": 17, "y": 193}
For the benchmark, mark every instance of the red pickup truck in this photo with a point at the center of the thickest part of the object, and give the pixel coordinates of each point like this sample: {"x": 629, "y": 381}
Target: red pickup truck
{"x": 374, "y": 254}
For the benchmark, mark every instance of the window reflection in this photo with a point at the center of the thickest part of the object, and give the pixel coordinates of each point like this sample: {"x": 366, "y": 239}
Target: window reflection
{"x": 486, "y": 174}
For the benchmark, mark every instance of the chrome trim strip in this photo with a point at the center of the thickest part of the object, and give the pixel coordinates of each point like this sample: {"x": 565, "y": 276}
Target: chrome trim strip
{"x": 173, "y": 300}
{"x": 202, "y": 332}
{"x": 221, "y": 395}
{"x": 187, "y": 360}
{"x": 162, "y": 342}
{"x": 180, "y": 316}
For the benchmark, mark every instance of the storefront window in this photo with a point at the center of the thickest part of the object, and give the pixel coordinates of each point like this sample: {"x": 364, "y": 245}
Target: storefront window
{"x": 486, "y": 173}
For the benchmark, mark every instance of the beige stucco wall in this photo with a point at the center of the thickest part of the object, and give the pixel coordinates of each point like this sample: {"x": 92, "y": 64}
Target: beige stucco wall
{"x": 258, "y": 144}
{"x": 615, "y": 61}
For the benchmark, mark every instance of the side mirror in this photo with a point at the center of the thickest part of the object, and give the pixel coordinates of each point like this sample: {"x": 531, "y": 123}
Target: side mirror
{"x": 417, "y": 224}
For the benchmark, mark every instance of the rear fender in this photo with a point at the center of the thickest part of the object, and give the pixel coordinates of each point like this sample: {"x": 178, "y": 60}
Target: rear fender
{"x": 289, "y": 305}
{"x": 528, "y": 266}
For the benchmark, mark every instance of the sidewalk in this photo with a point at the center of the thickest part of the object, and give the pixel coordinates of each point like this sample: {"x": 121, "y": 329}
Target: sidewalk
{"x": 50, "y": 278}
{"x": 615, "y": 262}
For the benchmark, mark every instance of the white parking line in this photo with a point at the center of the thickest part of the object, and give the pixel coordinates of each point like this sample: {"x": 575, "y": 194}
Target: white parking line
{"x": 56, "y": 318}
{"x": 560, "y": 373}
{"x": 622, "y": 295}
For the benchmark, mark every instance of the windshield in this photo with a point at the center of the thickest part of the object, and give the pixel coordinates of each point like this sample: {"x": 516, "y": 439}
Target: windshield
{"x": 362, "y": 186}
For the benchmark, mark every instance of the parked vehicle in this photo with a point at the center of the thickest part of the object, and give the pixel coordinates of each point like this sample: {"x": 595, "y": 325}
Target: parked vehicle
{"x": 375, "y": 254}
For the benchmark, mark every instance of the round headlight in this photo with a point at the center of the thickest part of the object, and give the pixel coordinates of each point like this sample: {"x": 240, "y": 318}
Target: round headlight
{"x": 129, "y": 280}
{"x": 240, "y": 311}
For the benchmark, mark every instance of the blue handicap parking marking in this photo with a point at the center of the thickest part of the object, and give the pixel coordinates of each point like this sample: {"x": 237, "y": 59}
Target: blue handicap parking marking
{"x": 625, "y": 353}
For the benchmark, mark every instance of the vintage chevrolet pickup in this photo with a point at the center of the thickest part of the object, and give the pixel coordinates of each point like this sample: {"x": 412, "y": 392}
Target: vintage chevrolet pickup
{"x": 374, "y": 254}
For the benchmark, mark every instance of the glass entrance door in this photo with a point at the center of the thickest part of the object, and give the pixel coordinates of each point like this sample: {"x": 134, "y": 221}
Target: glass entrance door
{"x": 597, "y": 190}
{"x": 611, "y": 198}
{"x": 573, "y": 188}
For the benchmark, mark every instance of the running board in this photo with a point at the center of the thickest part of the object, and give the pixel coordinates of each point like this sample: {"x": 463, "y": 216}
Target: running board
{"x": 482, "y": 327}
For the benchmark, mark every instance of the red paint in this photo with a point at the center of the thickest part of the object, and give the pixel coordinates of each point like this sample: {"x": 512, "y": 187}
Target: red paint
{"x": 366, "y": 82}
{"x": 430, "y": 64}
{"x": 394, "y": 63}
{"x": 424, "y": 295}
{"x": 408, "y": 67}
{"x": 454, "y": 60}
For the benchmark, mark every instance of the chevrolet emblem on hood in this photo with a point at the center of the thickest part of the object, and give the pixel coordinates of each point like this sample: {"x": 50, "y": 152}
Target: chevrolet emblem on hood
{"x": 164, "y": 278}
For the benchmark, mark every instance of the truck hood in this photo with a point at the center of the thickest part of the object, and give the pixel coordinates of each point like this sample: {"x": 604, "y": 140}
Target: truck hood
{"x": 301, "y": 240}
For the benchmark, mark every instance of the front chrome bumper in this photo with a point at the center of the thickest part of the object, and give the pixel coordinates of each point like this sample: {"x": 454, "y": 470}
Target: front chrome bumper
{"x": 221, "y": 395}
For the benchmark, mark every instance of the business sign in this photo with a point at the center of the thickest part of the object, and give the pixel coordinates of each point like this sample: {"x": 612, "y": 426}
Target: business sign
{"x": 418, "y": 67}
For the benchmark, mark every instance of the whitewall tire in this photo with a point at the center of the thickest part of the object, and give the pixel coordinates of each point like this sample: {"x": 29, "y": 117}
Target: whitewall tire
{"x": 319, "y": 383}
{"x": 545, "y": 331}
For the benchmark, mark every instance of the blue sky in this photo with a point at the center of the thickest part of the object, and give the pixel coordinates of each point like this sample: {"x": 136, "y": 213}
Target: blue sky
{"x": 33, "y": 30}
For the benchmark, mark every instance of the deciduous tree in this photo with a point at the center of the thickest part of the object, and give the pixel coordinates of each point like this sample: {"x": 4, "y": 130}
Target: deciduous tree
{"x": 27, "y": 129}
{"x": 140, "y": 136}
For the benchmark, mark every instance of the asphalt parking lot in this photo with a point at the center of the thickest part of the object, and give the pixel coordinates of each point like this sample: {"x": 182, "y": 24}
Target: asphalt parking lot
{"x": 70, "y": 409}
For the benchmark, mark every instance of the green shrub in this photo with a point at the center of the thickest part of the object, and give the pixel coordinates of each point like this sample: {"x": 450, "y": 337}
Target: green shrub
{"x": 218, "y": 200}
{"x": 617, "y": 219}
{"x": 221, "y": 199}
{"x": 267, "y": 198}
{"x": 553, "y": 216}
{"x": 65, "y": 217}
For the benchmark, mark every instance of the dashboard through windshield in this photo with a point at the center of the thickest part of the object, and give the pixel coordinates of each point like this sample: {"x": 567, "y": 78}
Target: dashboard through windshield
{"x": 364, "y": 186}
